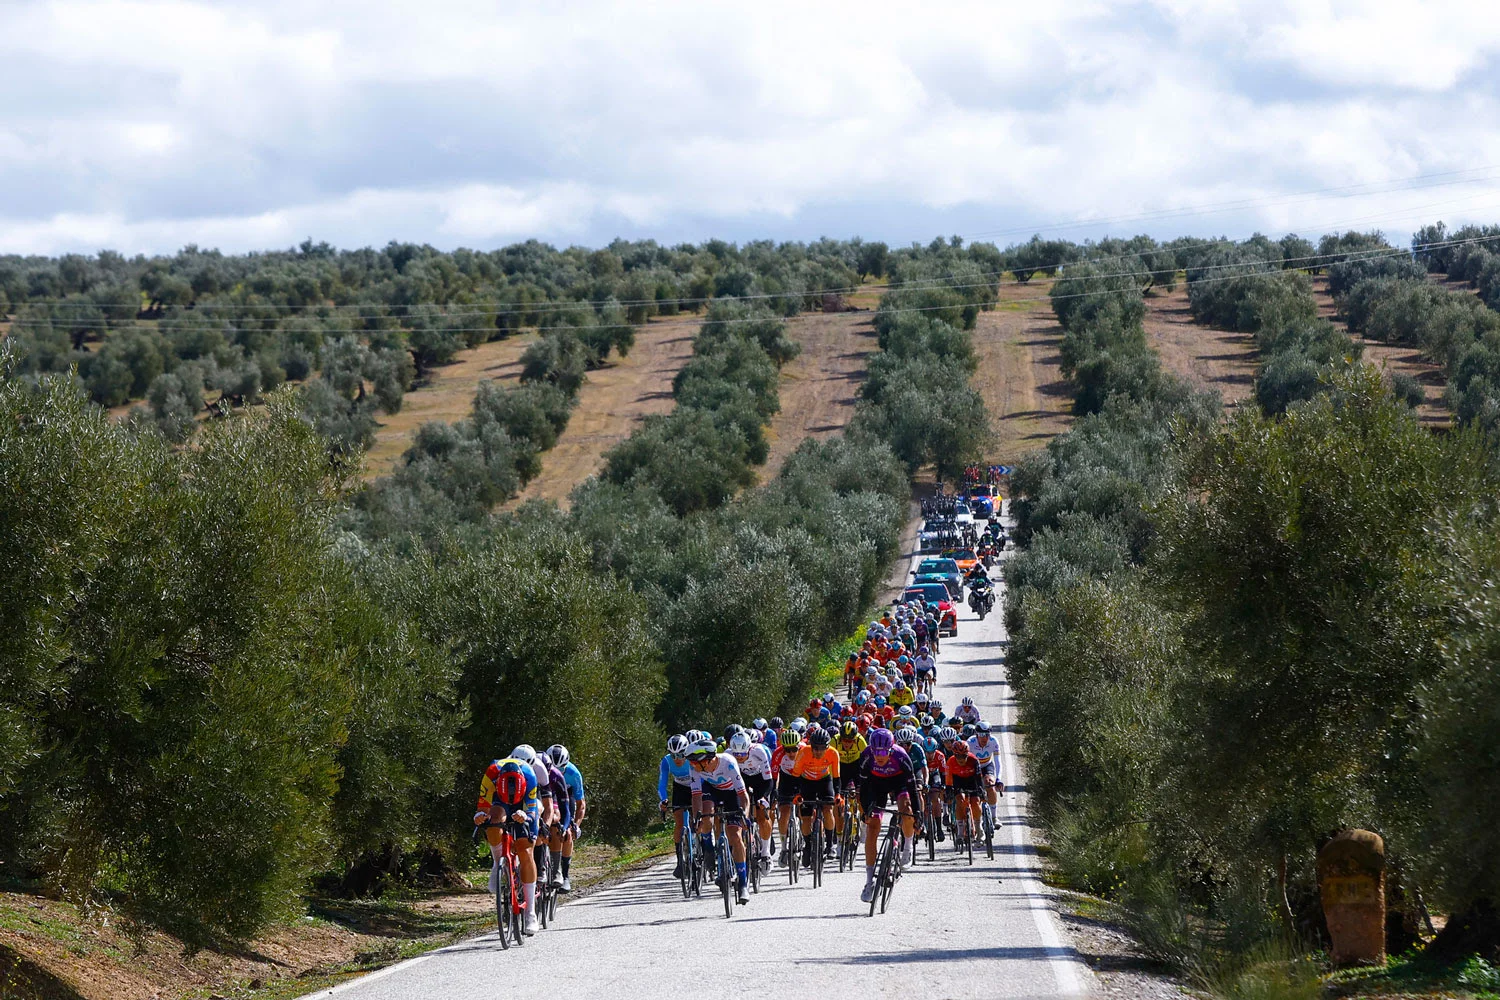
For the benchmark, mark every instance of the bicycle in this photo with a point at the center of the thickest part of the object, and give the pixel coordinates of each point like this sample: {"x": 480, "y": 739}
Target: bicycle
{"x": 963, "y": 840}
{"x": 849, "y": 836}
{"x": 987, "y": 814}
{"x": 510, "y": 906}
{"x": 546, "y": 890}
{"x": 816, "y": 841}
{"x": 793, "y": 850}
{"x": 888, "y": 861}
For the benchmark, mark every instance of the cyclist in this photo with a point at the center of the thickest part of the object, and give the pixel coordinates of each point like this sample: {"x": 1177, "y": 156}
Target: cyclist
{"x": 562, "y": 820}
{"x": 937, "y": 780}
{"x": 573, "y": 779}
{"x": 908, "y": 740}
{"x": 967, "y": 713}
{"x": 885, "y": 773}
{"x": 508, "y": 794}
{"x": 678, "y": 774}
{"x": 755, "y": 767}
{"x": 986, "y": 750}
{"x": 788, "y": 787}
{"x": 817, "y": 765}
{"x": 925, "y": 668}
{"x": 901, "y": 695}
{"x": 718, "y": 785}
{"x": 963, "y": 778}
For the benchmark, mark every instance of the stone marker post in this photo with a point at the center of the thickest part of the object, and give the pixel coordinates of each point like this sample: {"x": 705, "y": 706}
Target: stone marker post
{"x": 1351, "y": 879}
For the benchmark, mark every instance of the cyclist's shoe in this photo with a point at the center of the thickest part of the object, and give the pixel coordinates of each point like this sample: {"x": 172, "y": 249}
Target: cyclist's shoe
{"x": 906, "y": 853}
{"x": 678, "y": 871}
{"x": 742, "y": 895}
{"x": 782, "y": 858}
{"x": 941, "y": 836}
{"x": 868, "y": 892}
{"x": 494, "y": 879}
{"x": 566, "y": 885}
{"x": 530, "y": 928}
{"x": 764, "y": 863}
{"x": 807, "y": 860}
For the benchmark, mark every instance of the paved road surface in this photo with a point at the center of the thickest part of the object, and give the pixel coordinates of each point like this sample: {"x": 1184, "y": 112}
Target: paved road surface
{"x": 951, "y": 931}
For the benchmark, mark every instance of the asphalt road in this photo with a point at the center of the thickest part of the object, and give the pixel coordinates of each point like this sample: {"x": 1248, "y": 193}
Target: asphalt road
{"x": 951, "y": 930}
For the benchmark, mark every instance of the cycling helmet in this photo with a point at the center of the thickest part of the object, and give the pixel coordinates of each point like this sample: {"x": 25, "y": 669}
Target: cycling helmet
{"x": 967, "y": 732}
{"x": 881, "y": 740}
{"x": 922, "y": 650}
{"x": 903, "y": 658}
{"x": 932, "y": 745}
{"x": 703, "y": 750}
{"x": 900, "y": 685}
{"x": 732, "y": 730}
{"x": 524, "y": 752}
{"x": 776, "y": 722}
{"x": 926, "y": 719}
{"x": 947, "y": 734}
{"x": 817, "y": 738}
{"x": 677, "y": 745}
{"x": 920, "y": 697}
{"x": 790, "y": 739}
{"x": 850, "y": 730}
{"x": 982, "y": 726}
{"x": 824, "y": 713}
{"x": 510, "y": 784}
{"x": 739, "y": 744}
{"x": 904, "y": 711}
{"x": 760, "y": 725}
{"x": 880, "y": 701}
{"x": 827, "y": 697}
{"x": 862, "y": 697}
{"x": 966, "y": 703}
{"x": 559, "y": 754}
{"x": 935, "y": 705}
{"x": 906, "y": 735}
{"x": 960, "y": 748}
{"x": 798, "y": 725}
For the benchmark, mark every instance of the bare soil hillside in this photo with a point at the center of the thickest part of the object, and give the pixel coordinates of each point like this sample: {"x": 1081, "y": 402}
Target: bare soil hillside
{"x": 612, "y": 402}
{"x": 1019, "y": 375}
{"x": 446, "y": 394}
{"x": 1207, "y": 358}
{"x": 818, "y": 387}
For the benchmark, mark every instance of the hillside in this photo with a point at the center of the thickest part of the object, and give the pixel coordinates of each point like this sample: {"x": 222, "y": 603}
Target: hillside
{"x": 1019, "y": 375}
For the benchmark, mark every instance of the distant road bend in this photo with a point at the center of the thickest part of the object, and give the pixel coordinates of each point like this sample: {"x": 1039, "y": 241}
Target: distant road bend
{"x": 952, "y": 930}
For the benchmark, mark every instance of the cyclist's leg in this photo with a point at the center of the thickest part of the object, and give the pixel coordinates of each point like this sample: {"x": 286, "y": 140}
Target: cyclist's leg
{"x": 873, "y": 797}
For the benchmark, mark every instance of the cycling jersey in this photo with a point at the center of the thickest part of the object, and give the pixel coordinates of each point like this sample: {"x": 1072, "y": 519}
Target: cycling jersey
{"x": 756, "y": 763}
{"x": 679, "y": 773}
{"x": 783, "y": 759}
{"x": 562, "y": 796}
{"x": 492, "y": 774}
{"x": 725, "y": 776}
{"x": 984, "y": 754}
{"x": 967, "y": 714}
{"x": 961, "y": 766}
{"x": 925, "y": 664}
{"x": 890, "y": 765}
{"x": 849, "y": 750}
{"x": 814, "y": 765}
{"x": 902, "y": 696}
{"x": 573, "y": 778}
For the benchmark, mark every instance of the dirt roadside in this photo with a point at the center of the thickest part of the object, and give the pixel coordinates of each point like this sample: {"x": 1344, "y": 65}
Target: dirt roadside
{"x": 1019, "y": 372}
{"x": 1207, "y": 358}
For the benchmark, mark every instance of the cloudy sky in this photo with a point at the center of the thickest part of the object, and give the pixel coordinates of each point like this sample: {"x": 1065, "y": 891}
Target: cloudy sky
{"x": 143, "y": 126}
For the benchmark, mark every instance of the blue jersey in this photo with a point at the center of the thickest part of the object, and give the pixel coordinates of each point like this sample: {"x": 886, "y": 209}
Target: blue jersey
{"x": 574, "y": 780}
{"x": 672, "y": 770}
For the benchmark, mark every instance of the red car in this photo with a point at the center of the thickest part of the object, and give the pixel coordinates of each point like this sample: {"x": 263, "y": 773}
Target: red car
{"x": 935, "y": 593}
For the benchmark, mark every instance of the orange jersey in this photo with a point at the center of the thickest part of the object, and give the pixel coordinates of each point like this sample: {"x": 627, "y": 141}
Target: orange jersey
{"x": 814, "y": 765}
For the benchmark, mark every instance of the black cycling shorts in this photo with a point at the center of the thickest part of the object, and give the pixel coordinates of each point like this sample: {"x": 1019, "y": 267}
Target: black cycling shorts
{"x": 967, "y": 785}
{"x": 817, "y": 791}
{"x": 682, "y": 796}
{"x": 787, "y": 789}
{"x": 875, "y": 792}
{"x": 758, "y": 787}
{"x": 726, "y": 803}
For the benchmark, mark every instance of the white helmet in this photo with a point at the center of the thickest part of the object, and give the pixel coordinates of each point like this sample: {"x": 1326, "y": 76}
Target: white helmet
{"x": 799, "y": 724}
{"x": 524, "y": 752}
{"x": 739, "y": 744}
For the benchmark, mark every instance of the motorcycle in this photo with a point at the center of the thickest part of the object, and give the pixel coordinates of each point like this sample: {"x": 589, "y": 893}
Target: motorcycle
{"x": 982, "y": 600}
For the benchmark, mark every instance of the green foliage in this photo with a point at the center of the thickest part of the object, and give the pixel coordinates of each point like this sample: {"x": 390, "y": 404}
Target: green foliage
{"x": 185, "y": 605}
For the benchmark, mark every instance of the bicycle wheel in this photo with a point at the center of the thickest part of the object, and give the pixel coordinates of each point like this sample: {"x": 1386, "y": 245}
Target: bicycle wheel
{"x": 755, "y": 859}
{"x": 542, "y": 903}
{"x": 847, "y": 840}
{"x": 726, "y": 875}
{"x": 883, "y": 868}
{"x": 969, "y": 836}
{"x": 989, "y": 832}
{"x": 502, "y": 907}
{"x": 685, "y": 865}
{"x": 793, "y": 850}
{"x": 817, "y": 848}
{"x": 517, "y": 907}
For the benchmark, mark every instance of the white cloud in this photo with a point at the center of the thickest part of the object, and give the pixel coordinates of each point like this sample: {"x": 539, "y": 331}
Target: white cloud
{"x": 151, "y": 123}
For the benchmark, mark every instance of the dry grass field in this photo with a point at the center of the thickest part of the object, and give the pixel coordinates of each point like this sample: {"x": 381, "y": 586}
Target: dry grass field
{"x": 1207, "y": 358}
{"x": 818, "y": 387}
{"x": 1019, "y": 376}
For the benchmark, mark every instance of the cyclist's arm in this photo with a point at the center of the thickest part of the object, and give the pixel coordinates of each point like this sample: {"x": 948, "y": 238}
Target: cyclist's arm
{"x": 662, "y": 781}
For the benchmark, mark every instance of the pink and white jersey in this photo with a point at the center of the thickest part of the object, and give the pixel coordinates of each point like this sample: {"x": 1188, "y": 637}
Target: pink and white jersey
{"x": 725, "y": 776}
{"x": 756, "y": 763}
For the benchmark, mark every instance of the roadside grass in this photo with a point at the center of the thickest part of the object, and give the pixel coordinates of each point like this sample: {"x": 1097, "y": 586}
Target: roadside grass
{"x": 1414, "y": 975}
{"x": 829, "y": 675}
